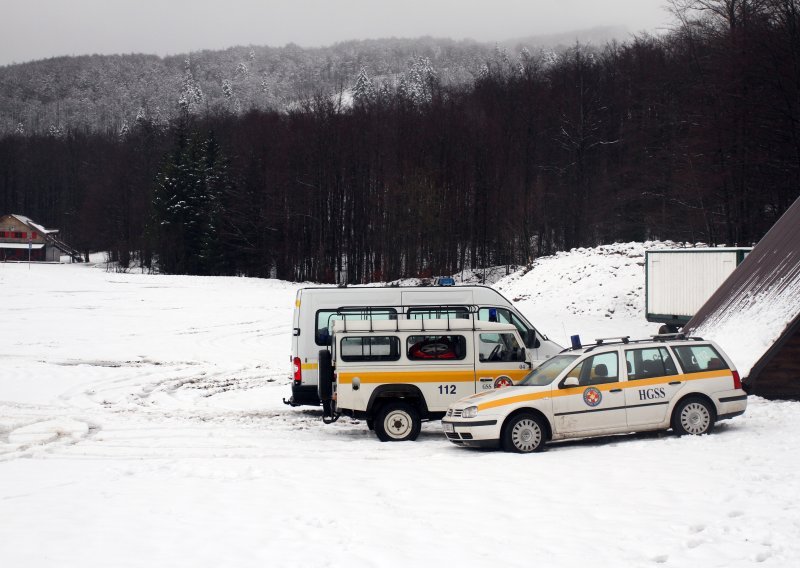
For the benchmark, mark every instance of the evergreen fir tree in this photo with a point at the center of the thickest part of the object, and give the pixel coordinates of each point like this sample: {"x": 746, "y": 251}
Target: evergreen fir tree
{"x": 363, "y": 90}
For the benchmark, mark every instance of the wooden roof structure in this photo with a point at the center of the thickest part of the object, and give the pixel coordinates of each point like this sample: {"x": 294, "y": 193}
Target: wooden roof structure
{"x": 765, "y": 289}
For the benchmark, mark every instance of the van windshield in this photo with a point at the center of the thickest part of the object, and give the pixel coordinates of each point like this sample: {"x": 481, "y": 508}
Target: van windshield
{"x": 546, "y": 373}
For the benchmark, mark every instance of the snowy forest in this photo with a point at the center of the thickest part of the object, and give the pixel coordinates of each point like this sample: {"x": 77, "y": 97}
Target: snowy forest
{"x": 424, "y": 169}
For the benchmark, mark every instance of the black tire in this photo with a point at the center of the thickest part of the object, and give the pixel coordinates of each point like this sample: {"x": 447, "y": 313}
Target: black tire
{"x": 524, "y": 434}
{"x": 325, "y": 380}
{"x": 397, "y": 422}
{"x": 371, "y": 424}
{"x": 693, "y": 416}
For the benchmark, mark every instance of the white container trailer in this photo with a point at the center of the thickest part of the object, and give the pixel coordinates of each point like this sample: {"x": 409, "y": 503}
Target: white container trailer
{"x": 679, "y": 281}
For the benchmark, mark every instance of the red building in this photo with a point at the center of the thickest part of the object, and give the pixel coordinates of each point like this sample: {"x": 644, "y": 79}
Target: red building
{"x": 21, "y": 239}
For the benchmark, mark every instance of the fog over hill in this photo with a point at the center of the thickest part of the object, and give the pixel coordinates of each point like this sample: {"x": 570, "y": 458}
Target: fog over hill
{"x": 110, "y": 92}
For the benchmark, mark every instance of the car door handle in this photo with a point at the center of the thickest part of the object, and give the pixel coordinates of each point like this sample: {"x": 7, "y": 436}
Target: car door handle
{"x": 675, "y": 382}
{"x": 615, "y": 390}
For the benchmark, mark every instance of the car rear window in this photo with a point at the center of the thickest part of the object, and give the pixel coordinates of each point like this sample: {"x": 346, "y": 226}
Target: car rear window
{"x": 698, "y": 358}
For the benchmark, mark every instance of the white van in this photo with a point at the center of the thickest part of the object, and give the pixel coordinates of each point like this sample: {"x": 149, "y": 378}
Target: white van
{"x": 395, "y": 374}
{"x": 317, "y": 308}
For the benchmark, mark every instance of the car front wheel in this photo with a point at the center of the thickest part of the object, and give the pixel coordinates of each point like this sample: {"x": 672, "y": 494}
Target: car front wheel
{"x": 524, "y": 434}
{"x": 693, "y": 416}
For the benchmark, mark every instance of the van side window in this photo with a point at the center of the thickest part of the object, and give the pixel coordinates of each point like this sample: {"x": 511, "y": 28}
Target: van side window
{"x": 698, "y": 358}
{"x": 438, "y": 312}
{"x": 370, "y": 348}
{"x": 325, "y": 319}
{"x": 504, "y": 315}
{"x": 649, "y": 363}
{"x": 437, "y": 347}
{"x": 500, "y": 347}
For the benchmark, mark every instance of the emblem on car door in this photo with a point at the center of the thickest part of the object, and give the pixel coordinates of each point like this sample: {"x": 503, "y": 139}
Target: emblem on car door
{"x": 592, "y": 396}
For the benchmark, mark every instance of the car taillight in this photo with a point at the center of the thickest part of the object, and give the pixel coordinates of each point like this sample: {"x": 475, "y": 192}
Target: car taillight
{"x": 737, "y": 382}
{"x": 298, "y": 371}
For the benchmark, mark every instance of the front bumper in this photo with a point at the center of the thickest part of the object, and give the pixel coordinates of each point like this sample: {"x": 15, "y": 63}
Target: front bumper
{"x": 477, "y": 433}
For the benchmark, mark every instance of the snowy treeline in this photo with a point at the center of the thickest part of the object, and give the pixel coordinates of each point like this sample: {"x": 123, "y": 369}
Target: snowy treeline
{"x": 102, "y": 93}
{"x": 693, "y": 136}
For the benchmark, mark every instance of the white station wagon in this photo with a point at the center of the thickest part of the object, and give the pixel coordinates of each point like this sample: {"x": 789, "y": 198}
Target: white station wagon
{"x": 686, "y": 384}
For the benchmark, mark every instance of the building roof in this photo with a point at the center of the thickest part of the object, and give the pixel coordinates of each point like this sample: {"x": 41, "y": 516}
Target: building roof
{"x": 759, "y": 303}
{"x": 27, "y": 221}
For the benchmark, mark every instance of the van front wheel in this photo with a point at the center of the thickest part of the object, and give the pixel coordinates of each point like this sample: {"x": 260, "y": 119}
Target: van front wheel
{"x": 397, "y": 422}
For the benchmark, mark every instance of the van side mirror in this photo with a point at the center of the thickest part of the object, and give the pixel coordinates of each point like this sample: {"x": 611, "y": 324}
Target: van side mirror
{"x": 531, "y": 340}
{"x": 570, "y": 382}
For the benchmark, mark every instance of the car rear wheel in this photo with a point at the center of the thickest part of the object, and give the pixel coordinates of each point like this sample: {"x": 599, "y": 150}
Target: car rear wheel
{"x": 397, "y": 422}
{"x": 524, "y": 434}
{"x": 693, "y": 416}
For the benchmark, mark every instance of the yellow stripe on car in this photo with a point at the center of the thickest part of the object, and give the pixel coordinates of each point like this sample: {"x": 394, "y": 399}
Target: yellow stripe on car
{"x": 630, "y": 384}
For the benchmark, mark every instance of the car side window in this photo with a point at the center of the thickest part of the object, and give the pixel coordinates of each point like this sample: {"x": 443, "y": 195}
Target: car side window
{"x": 597, "y": 370}
{"x": 699, "y": 358}
{"x": 648, "y": 363}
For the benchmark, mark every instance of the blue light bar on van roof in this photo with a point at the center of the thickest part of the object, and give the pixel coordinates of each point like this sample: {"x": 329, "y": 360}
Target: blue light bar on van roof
{"x": 445, "y": 282}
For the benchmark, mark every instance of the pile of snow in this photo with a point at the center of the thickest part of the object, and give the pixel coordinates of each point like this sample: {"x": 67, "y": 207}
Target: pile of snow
{"x": 592, "y": 292}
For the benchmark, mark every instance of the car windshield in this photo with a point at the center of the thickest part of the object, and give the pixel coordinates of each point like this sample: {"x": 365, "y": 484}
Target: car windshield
{"x": 545, "y": 373}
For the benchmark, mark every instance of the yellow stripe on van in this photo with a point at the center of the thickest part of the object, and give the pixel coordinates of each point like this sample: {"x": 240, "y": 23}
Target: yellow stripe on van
{"x": 297, "y": 303}
{"x": 309, "y": 366}
{"x": 465, "y": 376}
{"x": 631, "y": 384}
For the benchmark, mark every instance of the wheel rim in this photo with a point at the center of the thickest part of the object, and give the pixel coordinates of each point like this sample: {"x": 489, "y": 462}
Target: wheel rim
{"x": 526, "y": 435}
{"x": 398, "y": 424}
{"x": 695, "y": 418}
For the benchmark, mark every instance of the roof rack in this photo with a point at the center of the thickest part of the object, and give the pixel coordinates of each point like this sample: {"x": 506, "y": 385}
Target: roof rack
{"x": 625, "y": 340}
{"x": 668, "y": 336}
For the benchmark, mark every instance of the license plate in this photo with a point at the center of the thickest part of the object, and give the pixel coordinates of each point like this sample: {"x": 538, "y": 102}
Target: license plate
{"x": 447, "y": 427}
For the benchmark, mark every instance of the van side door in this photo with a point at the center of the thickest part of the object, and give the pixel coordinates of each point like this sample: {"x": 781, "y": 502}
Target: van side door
{"x": 499, "y": 360}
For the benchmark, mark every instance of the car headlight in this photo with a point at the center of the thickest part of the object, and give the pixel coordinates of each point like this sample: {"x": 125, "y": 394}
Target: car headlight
{"x": 470, "y": 412}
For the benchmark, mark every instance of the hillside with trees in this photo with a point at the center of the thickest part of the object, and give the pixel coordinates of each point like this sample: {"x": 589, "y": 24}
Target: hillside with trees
{"x": 107, "y": 93}
{"x": 694, "y": 135}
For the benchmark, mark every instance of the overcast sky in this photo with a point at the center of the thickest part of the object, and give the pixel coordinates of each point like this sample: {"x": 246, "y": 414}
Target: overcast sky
{"x": 36, "y": 29}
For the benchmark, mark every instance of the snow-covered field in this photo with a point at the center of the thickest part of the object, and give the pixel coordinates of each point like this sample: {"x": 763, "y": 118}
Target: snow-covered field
{"x": 141, "y": 424}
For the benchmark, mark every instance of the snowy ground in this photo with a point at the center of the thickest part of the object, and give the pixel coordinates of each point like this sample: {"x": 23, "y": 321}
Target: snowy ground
{"x": 141, "y": 424}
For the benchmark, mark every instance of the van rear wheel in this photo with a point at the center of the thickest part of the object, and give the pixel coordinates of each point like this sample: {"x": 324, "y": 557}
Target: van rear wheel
{"x": 397, "y": 422}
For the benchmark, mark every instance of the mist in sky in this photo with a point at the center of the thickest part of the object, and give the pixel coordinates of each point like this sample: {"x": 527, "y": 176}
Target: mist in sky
{"x": 47, "y": 28}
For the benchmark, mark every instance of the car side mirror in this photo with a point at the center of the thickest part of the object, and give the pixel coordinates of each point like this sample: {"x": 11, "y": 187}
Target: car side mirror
{"x": 570, "y": 382}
